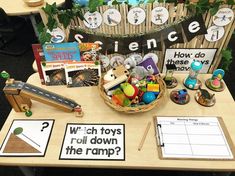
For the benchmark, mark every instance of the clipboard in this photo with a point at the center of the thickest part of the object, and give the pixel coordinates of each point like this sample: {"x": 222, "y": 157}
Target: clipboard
{"x": 211, "y": 131}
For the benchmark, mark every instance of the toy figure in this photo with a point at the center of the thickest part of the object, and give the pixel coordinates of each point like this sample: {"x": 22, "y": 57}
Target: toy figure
{"x": 215, "y": 83}
{"x": 203, "y": 97}
{"x": 180, "y": 96}
{"x": 169, "y": 79}
{"x": 191, "y": 81}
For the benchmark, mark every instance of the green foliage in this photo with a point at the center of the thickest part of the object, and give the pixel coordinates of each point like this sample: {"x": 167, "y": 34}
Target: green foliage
{"x": 65, "y": 17}
{"x": 203, "y": 6}
{"x": 44, "y": 36}
{"x": 51, "y": 24}
{"x": 231, "y": 2}
{"x": 40, "y": 27}
{"x": 226, "y": 59}
{"x": 93, "y": 4}
{"x": 115, "y": 2}
{"x": 50, "y": 9}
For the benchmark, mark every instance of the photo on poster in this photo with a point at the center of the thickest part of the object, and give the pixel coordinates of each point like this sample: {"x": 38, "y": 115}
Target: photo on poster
{"x": 54, "y": 74}
{"x": 82, "y": 74}
{"x": 93, "y": 142}
{"x": 27, "y": 138}
{"x": 183, "y": 57}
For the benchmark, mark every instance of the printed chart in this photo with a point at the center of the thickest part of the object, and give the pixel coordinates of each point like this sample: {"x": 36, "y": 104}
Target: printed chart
{"x": 193, "y": 137}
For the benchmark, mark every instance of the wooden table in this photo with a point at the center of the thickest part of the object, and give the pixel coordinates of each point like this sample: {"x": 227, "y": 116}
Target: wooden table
{"x": 97, "y": 112}
{"x": 19, "y": 8}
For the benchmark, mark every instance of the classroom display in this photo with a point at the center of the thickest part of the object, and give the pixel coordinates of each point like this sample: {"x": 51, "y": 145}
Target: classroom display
{"x": 193, "y": 138}
{"x": 27, "y": 138}
{"x": 131, "y": 54}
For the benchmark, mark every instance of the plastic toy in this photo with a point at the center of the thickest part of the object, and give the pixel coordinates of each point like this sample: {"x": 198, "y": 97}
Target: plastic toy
{"x": 153, "y": 87}
{"x": 150, "y": 66}
{"x": 169, "y": 79}
{"x": 119, "y": 98}
{"x": 215, "y": 83}
{"x": 129, "y": 90}
{"x": 204, "y": 98}
{"x": 191, "y": 81}
{"x": 180, "y": 96}
{"x": 148, "y": 97}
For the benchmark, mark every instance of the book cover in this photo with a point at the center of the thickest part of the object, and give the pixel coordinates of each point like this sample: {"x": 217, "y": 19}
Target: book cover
{"x": 54, "y": 73}
{"x": 82, "y": 74}
{"x": 61, "y": 52}
{"x": 39, "y": 57}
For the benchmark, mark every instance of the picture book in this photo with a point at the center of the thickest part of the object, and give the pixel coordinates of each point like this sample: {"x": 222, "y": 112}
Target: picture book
{"x": 39, "y": 57}
{"x": 61, "y": 52}
{"x": 54, "y": 73}
{"x": 81, "y": 74}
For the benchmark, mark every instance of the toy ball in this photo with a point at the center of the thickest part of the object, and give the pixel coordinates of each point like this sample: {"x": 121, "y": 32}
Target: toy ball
{"x": 148, "y": 97}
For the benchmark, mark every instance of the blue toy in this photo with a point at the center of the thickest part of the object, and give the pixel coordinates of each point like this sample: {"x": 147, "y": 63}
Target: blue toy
{"x": 191, "y": 81}
{"x": 148, "y": 97}
{"x": 81, "y": 2}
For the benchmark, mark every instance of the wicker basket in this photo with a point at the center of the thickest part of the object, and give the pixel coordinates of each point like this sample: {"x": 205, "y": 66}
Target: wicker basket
{"x": 134, "y": 109}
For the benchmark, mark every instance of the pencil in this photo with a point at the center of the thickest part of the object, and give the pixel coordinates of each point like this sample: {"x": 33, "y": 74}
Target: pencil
{"x": 144, "y": 136}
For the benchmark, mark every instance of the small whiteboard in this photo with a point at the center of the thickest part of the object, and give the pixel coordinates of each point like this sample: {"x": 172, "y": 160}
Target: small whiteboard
{"x": 193, "y": 138}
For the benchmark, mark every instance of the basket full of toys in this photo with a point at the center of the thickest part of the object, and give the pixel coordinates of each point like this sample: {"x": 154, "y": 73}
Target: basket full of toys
{"x": 132, "y": 89}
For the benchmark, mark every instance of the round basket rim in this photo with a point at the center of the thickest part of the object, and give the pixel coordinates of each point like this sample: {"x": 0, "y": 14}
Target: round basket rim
{"x": 134, "y": 109}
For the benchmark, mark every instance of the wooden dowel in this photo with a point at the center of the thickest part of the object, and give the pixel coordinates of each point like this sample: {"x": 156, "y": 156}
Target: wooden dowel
{"x": 144, "y": 136}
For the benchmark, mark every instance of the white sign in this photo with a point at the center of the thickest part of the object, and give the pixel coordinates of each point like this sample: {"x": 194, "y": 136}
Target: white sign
{"x": 159, "y": 15}
{"x": 223, "y": 17}
{"x": 136, "y": 16}
{"x": 214, "y": 33}
{"x": 93, "y": 20}
{"x": 183, "y": 58}
{"x": 112, "y": 17}
{"x": 94, "y": 142}
{"x": 27, "y": 138}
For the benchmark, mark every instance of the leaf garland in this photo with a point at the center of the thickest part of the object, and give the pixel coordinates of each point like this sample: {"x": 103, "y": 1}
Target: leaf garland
{"x": 64, "y": 17}
{"x": 226, "y": 58}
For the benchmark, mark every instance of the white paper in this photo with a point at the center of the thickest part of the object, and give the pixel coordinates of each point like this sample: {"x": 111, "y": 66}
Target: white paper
{"x": 192, "y": 137}
{"x": 94, "y": 142}
{"x": 32, "y": 141}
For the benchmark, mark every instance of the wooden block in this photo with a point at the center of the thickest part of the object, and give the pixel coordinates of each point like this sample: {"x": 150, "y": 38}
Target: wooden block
{"x": 120, "y": 70}
{"x": 13, "y": 102}
{"x": 115, "y": 82}
{"x": 13, "y": 88}
{"x": 22, "y": 101}
{"x": 9, "y": 81}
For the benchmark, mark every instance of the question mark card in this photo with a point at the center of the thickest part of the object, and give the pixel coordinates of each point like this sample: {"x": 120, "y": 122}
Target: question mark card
{"x": 27, "y": 138}
{"x": 94, "y": 142}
